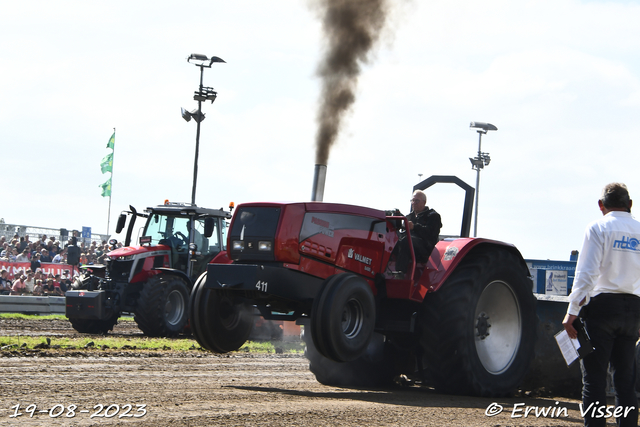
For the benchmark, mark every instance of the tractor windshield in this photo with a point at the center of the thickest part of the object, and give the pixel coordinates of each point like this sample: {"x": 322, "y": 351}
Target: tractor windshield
{"x": 173, "y": 230}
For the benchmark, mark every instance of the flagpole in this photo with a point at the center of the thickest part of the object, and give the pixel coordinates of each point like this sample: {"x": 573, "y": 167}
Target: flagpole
{"x": 111, "y": 179}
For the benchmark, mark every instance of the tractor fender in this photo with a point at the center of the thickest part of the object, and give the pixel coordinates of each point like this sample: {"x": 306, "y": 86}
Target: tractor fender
{"x": 449, "y": 254}
{"x": 174, "y": 272}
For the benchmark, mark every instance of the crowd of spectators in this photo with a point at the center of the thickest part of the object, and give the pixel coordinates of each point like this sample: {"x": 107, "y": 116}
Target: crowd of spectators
{"x": 32, "y": 280}
{"x": 38, "y": 284}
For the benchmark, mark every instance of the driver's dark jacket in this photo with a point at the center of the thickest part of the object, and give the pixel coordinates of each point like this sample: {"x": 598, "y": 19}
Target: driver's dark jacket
{"x": 426, "y": 226}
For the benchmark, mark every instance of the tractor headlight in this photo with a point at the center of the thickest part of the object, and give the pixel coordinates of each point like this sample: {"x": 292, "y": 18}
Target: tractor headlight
{"x": 238, "y": 245}
{"x": 264, "y": 245}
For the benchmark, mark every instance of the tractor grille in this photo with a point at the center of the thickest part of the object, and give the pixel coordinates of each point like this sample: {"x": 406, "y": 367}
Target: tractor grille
{"x": 119, "y": 270}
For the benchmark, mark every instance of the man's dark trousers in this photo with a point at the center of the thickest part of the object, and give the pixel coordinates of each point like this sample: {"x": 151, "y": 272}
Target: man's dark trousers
{"x": 612, "y": 321}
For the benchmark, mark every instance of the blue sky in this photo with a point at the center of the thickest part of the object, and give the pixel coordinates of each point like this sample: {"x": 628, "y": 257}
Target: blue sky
{"x": 560, "y": 80}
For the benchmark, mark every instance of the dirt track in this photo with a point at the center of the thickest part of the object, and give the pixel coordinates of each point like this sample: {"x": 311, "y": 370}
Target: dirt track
{"x": 202, "y": 389}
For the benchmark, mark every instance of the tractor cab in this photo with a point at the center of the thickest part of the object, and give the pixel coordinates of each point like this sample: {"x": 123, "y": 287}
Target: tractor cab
{"x": 193, "y": 235}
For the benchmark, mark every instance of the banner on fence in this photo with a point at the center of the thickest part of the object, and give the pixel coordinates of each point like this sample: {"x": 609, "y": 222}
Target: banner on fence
{"x": 46, "y": 267}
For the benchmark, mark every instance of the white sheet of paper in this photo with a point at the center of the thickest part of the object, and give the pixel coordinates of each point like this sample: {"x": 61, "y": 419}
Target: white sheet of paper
{"x": 568, "y": 346}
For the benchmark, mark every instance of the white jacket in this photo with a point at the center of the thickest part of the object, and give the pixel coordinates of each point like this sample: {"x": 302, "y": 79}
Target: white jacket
{"x": 609, "y": 261}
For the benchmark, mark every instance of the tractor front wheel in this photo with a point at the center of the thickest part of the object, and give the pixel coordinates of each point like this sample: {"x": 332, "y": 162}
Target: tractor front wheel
{"x": 220, "y": 323}
{"x": 162, "y": 306}
{"x": 479, "y": 328}
{"x": 343, "y": 317}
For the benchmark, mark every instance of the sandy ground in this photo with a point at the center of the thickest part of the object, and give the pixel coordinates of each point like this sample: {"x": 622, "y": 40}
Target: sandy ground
{"x": 95, "y": 387}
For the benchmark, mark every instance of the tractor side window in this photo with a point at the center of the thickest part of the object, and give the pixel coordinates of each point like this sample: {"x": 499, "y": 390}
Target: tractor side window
{"x": 205, "y": 245}
{"x": 225, "y": 228}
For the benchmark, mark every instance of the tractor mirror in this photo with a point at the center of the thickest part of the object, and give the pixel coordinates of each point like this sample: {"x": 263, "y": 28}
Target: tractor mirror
{"x": 122, "y": 219}
{"x": 209, "y": 225}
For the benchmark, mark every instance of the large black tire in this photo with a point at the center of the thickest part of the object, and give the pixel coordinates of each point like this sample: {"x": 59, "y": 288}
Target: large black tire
{"x": 219, "y": 323}
{"x": 193, "y": 324}
{"x": 163, "y": 305}
{"x": 93, "y": 326}
{"x": 373, "y": 369}
{"x": 638, "y": 366}
{"x": 479, "y": 328}
{"x": 343, "y": 317}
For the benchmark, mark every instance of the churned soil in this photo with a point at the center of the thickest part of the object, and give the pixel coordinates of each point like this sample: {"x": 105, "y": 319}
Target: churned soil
{"x": 197, "y": 388}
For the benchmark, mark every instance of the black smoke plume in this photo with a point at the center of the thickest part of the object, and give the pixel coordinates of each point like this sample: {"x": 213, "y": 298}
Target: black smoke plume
{"x": 351, "y": 28}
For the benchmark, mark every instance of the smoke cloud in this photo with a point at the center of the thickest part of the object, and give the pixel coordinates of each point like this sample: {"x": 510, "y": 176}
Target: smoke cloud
{"x": 352, "y": 28}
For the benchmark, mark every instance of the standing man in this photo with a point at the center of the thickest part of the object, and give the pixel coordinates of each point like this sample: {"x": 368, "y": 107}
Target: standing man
{"x": 5, "y": 283}
{"x": 35, "y": 262}
{"x": 424, "y": 224}
{"x": 606, "y": 294}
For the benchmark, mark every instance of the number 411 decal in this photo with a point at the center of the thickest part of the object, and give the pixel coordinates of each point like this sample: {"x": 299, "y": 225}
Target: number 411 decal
{"x": 261, "y": 286}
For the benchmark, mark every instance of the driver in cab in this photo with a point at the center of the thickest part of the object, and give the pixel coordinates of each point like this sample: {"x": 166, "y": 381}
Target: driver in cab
{"x": 424, "y": 225}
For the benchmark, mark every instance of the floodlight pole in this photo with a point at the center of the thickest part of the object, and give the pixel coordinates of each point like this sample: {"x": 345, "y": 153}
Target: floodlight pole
{"x": 475, "y": 220}
{"x": 478, "y": 163}
{"x": 203, "y": 94}
{"x": 195, "y": 160}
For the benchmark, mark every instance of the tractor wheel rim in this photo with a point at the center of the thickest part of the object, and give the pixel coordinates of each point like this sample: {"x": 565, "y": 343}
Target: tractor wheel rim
{"x": 174, "y": 309}
{"x": 352, "y": 318}
{"x": 497, "y": 327}
{"x": 229, "y": 314}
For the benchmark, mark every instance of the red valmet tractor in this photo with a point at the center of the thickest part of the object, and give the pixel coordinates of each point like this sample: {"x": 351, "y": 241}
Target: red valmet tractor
{"x": 463, "y": 322}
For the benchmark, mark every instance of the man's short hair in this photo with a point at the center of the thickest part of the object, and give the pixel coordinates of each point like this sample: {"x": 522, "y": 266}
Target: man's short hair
{"x": 421, "y": 194}
{"x": 615, "y": 195}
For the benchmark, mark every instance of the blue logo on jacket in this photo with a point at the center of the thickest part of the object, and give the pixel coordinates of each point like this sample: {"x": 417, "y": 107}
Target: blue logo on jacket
{"x": 627, "y": 243}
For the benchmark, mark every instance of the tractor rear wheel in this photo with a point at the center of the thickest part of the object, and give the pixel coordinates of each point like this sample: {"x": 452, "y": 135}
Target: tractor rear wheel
{"x": 93, "y": 326}
{"x": 220, "y": 323}
{"x": 638, "y": 364}
{"x": 479, "y": 328}
{"x": 343, "y": 317}
{"x": 162, "y": 306}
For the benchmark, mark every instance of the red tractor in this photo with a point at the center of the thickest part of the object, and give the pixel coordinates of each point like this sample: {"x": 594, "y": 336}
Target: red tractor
{"x": 152, "y": 280}
{"x": 463, "y": 322}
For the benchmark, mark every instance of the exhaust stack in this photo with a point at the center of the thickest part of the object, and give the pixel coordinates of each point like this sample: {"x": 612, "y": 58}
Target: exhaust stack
{"x": 319, "y": 176}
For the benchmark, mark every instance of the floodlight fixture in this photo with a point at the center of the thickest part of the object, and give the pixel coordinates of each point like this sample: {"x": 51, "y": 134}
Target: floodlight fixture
{"x": 202, "y": 94}
{"x": 484, "y": 126}
{"x": 479, "y": 162}
{"x": 196, "y": 115}
{"x": 205, "y": 94}
{"x": 201, "y": 60}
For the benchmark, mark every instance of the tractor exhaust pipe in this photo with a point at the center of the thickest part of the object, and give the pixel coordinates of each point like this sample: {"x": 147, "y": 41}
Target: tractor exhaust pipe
{"x": 319, "y": 176}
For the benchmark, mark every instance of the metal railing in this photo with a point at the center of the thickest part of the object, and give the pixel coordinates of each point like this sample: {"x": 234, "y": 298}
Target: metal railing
{"x": 31, "y": 304}
{"x": 34, "y": 233}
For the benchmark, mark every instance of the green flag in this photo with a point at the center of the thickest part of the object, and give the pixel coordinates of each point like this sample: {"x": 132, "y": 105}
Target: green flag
{"x": 107, "y": 163}
{"x": 106, "y": 188}
{"x": 112, "y": 141}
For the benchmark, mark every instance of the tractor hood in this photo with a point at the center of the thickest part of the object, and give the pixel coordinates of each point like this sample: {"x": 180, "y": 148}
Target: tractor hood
{"x": 135, "y": 250}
